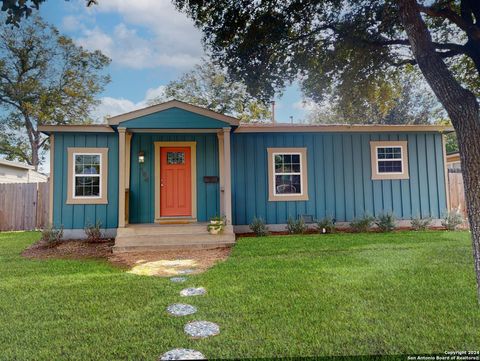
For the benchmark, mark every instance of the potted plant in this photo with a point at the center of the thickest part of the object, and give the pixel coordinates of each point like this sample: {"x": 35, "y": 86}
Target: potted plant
{"x": 216, "y": 225}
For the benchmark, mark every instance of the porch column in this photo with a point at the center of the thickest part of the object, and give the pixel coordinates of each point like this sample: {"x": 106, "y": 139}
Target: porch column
{"x": 121, "y": 176}
{"x": 227, "y": 179}
{"x": 221, "y": 163}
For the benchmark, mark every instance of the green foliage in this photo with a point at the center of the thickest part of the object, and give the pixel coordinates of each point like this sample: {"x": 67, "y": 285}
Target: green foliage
{"x": 296, "y": 226}
{"x": 51, "y": 236}
{"x": 386, "y": 222}
{"x": 362, "y": 224}
{"x": 421, "y": 224}
{"x": 452, "y": 220}
{"x": 350, "y": 50}
{"x": 44, "y": 79}
{"x": 208, "y": 85}
{"x": 259, "y": 227}
{"x": 94, "y": 232}
{"x": 326, "y": 225}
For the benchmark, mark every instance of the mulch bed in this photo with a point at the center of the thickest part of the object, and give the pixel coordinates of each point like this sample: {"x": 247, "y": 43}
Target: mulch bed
{"x": 78, "y": 249}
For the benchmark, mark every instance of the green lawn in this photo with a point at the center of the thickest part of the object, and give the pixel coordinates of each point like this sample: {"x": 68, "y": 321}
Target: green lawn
{"x": 345, "y": 294}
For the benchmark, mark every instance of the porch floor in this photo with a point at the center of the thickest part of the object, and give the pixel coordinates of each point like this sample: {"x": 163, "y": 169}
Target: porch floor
{"x": 146, "y": 237}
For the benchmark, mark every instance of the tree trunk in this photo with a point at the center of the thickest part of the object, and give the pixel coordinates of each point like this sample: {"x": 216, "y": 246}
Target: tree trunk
{"x": 462, "y": 108}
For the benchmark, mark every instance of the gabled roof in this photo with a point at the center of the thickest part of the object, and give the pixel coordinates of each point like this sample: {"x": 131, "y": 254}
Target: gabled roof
{"x": 9, "y": 163}
{"x": 173, "y": 104}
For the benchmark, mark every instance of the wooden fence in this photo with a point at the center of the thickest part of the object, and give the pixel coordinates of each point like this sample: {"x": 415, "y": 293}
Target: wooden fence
{"x": 23, "y": 206}
{"x": 456, "y": 191}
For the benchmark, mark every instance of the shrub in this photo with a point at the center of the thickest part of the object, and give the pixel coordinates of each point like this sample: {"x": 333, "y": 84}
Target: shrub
{"x": 326, "y": 225}
{"x": 51, "y": 235}
{"x": 93, "y": 232}
{"x": 386, "y": 222}
{"x": 421, "y": 224}
{"x": 258, "y": 227}
{"x": 362, "y": 224}
{"x": 452, "y": 220}
{"x": 296, "y": 226}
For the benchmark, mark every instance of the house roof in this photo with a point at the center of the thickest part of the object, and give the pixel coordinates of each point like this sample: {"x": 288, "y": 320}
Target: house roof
{"x": 173, "y": 104}
{"x": 453, "y": 157}
{"x": 95, "y": 128}
{"x": 281, "y": 128}
{"x": 9, "y": 163}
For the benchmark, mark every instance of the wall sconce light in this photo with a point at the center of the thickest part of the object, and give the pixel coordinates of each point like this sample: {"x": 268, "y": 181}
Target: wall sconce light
{"x": 141, "y": 157}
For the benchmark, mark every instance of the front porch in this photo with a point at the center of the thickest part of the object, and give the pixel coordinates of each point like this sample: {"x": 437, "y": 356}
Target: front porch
{"x": 173, "y": 177}
{"x": 147, "y": 237}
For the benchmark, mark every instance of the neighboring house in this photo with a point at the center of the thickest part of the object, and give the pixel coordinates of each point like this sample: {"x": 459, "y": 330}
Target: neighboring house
{"x": 453, "y": 162}
{"x": 14, "y": 172}
{"x": 154, "y": 176}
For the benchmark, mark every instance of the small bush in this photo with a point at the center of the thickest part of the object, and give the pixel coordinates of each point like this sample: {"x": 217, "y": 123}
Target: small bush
{"x": 421, "y": 224}
{"x": 93, "y": 232}
{"x": 296, "y": 226}
{"x": 452, "y": 220}
{"x": 386, "y": 222}
{"x": 258, "y": 227}
{"x": 362, "y": 224}
{"x": 326, "y": 225}
{"x": 51, "y": 236}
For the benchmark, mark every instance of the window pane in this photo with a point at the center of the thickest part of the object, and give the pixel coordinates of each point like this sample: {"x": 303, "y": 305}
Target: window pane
{"x": 387, "y": 166}
{"x": 87, "y": 186}
{"x": 389, "y": 153}
{"x": 288, "y": 184}
{"x": 295, "y": 158}
{"x": 87, "y": 164}
{"x": 175, "y": 157}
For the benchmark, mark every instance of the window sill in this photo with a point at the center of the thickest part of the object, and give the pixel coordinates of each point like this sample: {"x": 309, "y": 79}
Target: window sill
{"x": 292, "y": 198}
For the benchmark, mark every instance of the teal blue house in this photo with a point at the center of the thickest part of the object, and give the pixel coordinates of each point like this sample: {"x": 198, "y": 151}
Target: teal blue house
{"x": 155, "y": 177}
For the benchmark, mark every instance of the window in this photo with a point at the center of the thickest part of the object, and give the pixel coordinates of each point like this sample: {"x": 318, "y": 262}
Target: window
{"x": 175, "y": 157}
{"x": 389, "y": 160}
{"x": 87, "y": 175}
{"x": 287, "y": 170}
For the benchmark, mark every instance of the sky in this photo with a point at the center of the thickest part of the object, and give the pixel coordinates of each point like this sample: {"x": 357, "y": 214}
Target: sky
{"x": 150, "y": 43}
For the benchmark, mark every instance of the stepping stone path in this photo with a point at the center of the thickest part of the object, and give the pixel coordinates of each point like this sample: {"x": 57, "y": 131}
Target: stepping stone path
{"x": 193, "y": 291}
{"x": 201, "y": 329}
{"x": 181, "y": 309}
{"x": 186, "y": 271}
{"x": 178, "y": 279}
{"x": 182, "y": 354}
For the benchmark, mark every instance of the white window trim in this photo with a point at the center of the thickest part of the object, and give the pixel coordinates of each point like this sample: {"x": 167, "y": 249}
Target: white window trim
{"x": 403, "y": 145}
{"x": 75, "y": 175}
{"x": 103, "y": 184}
{"x": 272, "y": 193}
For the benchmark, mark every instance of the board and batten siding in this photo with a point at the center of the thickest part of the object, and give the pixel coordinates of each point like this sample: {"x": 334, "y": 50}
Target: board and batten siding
{"x": 142, "y": 181}
{"x": 339, "y": 177}
{"x": 79, "y": 216}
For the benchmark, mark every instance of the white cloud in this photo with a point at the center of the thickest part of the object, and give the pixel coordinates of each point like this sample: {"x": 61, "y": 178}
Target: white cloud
{"x": 152, "y": 33}
{"x": 110, "y": 106}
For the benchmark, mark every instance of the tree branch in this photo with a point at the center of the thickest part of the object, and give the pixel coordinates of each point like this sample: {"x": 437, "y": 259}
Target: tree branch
{"x": 446, "y": 13}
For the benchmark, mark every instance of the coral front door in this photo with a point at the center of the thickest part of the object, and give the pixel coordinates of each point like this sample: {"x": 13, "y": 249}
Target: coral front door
{"x": 175, "y": 182}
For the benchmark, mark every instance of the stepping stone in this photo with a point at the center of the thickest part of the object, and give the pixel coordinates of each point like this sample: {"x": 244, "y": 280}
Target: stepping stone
{"x": 185, "y": 271}
{"x": 201, "y": 329}
{"x": 178, "y": 279}
{"x": 182, "y": 354}
{"x": 181, "y": 309}
{"x": 193, "y": 291}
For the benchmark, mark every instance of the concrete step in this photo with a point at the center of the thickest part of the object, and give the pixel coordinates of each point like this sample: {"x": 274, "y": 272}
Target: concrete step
{"x": 158, "y": 229}
{"x": 172, "y": 239}
{"x": 167, "y": 247}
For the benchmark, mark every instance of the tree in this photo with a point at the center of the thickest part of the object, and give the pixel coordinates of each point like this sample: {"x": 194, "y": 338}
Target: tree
{"x": 349, "y": 44}
{"x": 404, "y": 99}
{"x": 207, "y": 85}
{"x": 44, "y": 79}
